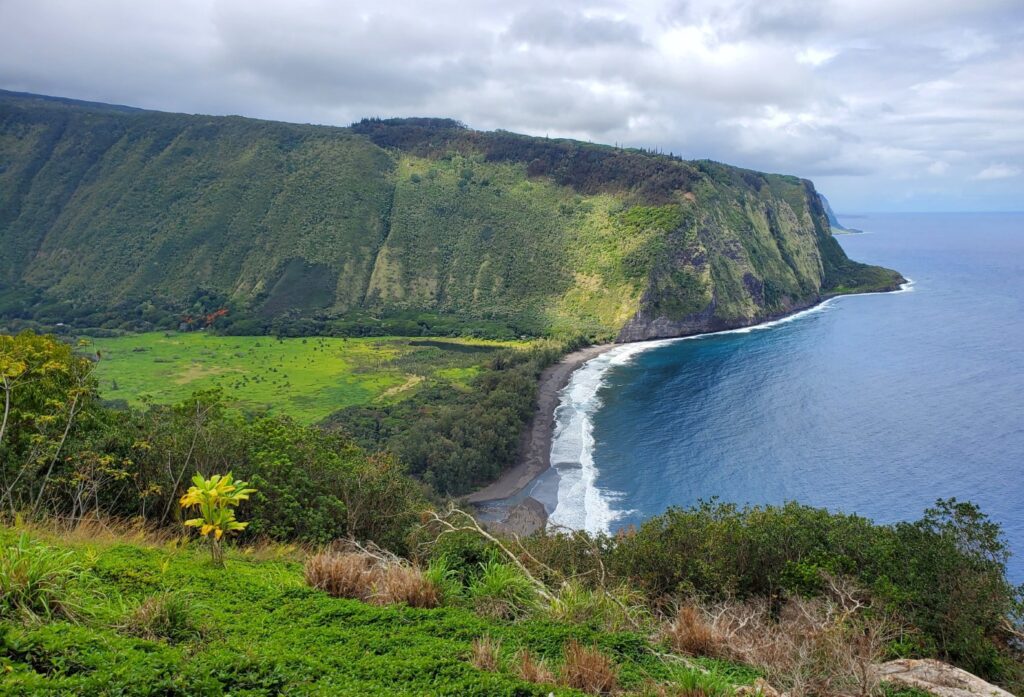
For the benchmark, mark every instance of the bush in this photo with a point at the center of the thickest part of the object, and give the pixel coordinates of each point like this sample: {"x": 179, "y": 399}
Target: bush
{"x": 37, "y": 581}
{"x": 690, "y": 634}
{"x": 619, "y": 609}
{"x": 943, "y": 575}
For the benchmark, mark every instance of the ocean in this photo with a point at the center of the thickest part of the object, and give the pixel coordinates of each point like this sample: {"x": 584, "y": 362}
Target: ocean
{"x": 873, "y": 404}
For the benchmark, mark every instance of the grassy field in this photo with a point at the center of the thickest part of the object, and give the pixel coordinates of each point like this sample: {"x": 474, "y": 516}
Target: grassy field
{"x": 306, "y": 378}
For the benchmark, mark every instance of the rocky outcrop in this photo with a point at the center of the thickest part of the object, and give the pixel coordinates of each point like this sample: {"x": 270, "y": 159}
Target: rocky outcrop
{"x": 938, "y": 678}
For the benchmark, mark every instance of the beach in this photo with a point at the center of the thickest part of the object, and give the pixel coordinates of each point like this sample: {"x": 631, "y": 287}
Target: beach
{"x": 535, "y": 445}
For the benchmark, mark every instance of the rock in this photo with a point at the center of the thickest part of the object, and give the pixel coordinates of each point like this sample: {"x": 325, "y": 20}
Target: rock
{"x": 522, "y": 519}
{"x": 938, "y": 678}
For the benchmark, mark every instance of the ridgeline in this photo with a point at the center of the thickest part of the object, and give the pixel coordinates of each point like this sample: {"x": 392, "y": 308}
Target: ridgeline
{"x": 119, "y": 218}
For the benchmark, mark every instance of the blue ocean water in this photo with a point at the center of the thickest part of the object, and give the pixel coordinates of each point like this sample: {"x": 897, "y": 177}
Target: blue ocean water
{"x": 874, "y": 404}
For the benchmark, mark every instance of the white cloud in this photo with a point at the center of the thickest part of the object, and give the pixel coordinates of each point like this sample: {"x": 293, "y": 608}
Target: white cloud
{"x": 998, "y": 171}
{"x": 864, "y": 96}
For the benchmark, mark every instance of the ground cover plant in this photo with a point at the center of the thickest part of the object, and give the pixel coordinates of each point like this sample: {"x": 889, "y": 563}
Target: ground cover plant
{"x": 165, "y": 620}
{"x": 307, "y": 378}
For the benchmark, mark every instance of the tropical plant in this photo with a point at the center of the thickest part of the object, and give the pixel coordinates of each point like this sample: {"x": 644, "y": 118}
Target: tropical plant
{"x": 216, "y": 499}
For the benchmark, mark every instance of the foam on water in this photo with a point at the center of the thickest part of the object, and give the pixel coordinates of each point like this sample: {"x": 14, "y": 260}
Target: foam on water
{"x": 581, "y": 503}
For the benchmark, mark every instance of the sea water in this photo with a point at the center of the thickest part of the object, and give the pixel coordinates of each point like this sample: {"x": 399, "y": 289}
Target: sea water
{"x": 873, "y": 404}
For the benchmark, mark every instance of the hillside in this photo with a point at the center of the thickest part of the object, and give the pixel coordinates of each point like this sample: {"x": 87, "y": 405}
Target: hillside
{"x": 256, "y": 628}
{"x": 119, "y": 218}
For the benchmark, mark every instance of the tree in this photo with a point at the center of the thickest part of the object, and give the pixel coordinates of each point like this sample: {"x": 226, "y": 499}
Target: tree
{"x": 44, "y": 388}
{"x": 216, "y": 499}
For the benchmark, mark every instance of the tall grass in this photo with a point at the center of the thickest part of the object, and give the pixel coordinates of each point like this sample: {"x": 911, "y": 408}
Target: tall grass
{"x": 502, "y": 591}
{"x": 37, "y": 581}
{"x": 167, "y": 616}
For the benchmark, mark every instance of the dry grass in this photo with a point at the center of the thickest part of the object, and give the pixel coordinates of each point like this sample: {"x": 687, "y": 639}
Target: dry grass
{"x": 94, "y": 529}
{"x": 532, "y": 669}
{"x": 821, "y": 646}
{"x": 371, "y": 578}
{"x": 692, "y": 635}
{"x": 340, "y": 575}
{"x": 405, "y": 584}
{"x": 485, "y": 653}
{"x": 588, "y": 669}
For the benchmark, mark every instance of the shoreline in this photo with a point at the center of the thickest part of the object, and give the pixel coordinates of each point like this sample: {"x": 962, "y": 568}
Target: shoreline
{"x": 535, "y": 442}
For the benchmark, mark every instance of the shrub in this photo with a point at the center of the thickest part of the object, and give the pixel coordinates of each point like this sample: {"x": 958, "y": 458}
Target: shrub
{"x": 215, "y": 498}
{"x": 37, "y": 581}
{"x": 699, "y": 684}
{"x": 588, "y": 669}
{"x": 445, "y": 579}
{"x": 485, "y": 653}
{"x": 805, "y": 646}
{"x": 502, "y": 591}
{"x": 944, "y": 574}
{"x": 167, "y": 616}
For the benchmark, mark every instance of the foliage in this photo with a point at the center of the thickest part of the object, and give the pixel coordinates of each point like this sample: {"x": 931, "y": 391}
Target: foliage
{"x": 275, "y": 635}
{"x": 215, "y": 500}
{"x": 312, "y": 486}
{"x": 37, "y": 580}
{"x": 501, "y": 590}
{"x": 46, "y": 393}
{"x": 589, "y": 670}
{"x": 458, "y": 440}
{"x": 943, "y": 574}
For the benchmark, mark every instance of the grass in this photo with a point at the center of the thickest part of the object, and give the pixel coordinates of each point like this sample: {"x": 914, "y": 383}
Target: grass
{"x": 306, "y": 378}
{"x": 160, "y": 619}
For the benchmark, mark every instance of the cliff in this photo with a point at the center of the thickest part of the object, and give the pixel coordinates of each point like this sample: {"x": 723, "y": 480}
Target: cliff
{"x": 132, "y": 219}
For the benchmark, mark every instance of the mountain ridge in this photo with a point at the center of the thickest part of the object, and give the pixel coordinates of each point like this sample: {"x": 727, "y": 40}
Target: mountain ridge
{"x": 116, "y": 218}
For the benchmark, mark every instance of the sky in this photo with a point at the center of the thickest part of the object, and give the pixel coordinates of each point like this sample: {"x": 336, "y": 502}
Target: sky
{"x": 886, "y": 105}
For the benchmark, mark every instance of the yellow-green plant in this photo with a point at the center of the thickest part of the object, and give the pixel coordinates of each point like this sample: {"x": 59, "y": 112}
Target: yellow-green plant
{"x": 216, "y": 499}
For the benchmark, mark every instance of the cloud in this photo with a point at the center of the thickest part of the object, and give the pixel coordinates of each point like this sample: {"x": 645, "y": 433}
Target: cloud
{"x": 998, "y": 171}
{"x": 864, "y": 96}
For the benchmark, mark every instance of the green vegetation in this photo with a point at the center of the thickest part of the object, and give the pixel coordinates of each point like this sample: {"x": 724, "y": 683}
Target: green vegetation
{"x": 161, "y": 619}
{"x": 458, "y": 439}
{"x": 114, "y": 219}
{"x": 305, "y": 378}
{"x": 934, "y": 587}
{"x": 215, "y": 500}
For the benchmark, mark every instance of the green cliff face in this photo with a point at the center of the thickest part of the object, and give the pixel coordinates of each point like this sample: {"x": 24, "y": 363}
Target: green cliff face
{"x": 136, "y": 214}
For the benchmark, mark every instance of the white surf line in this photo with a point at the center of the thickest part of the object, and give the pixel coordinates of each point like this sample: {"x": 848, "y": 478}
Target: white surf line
{"x": 581, "y": 504}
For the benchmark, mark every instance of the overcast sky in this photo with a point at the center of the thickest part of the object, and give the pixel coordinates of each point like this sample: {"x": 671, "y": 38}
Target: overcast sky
{"x": 885, "y": 104}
